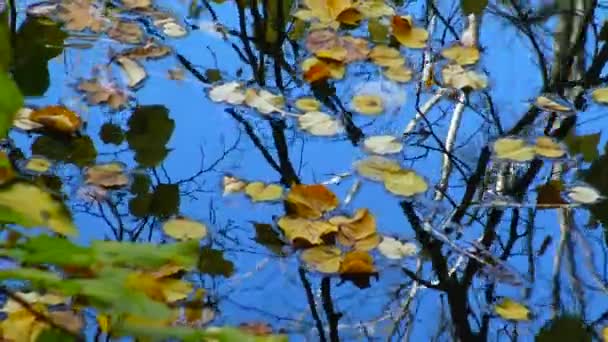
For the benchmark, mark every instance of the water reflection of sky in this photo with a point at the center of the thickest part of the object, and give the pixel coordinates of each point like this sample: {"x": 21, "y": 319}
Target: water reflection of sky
{"x": 268, "y": 288}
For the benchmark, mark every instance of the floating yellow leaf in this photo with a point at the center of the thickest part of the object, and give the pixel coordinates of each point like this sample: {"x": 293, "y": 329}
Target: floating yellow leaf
{"x": 38, "y": 164}
{"x": 600, "y": 95}
{"x": 463, "y": 55}
{"x": 549, "y": 148}
{"x": 259, "y": 192}
{"x": 320, "y": 124}
{"x": 383, "y": 144}
{"x": 408, "y": 35}
{"x": 336, "y": 53}
{"x": 513, "y": 149}
{"x": 385, "y": 56}
{"x": 545, "y": 102}
{"x": 357, "y": 262}
{"x": 512, "y": 310}
{"x": 376, "y": 167}
{"x": 308, "y": 104}
{"x": 584, "y": 194}
{"x": 315, "y": 69}
{"x": 395, "y": 249}
{"x": 184, "y": 229}
{"x": 110, "y": 175}
{"x": 374, "y": 8}
{"x": 167, "y": 290}
{"x": 350, "y": 16}
{"x": 232, "y": 185}
{"x": 360, "y": 227}
{"x": 133, "y": 71}
{"x": 36, "y": 208}
{"x": 605, "y": 334}
{"x": 310, "y": 201}
{"x": 57, "y": 118}
{"x": 456, "y": 77}
{"x": 405, "y": 183}
{"x": 400, "y": 74}
{"x": 23, "y": 325}
{"x": 264, "y": 101}
{"x": 368, "y": 104}
{"x": 231, "y": 92}
{"x": 300, "y": 231}
{"x": 329, "y": 12}
{"x": 324, "y": 259}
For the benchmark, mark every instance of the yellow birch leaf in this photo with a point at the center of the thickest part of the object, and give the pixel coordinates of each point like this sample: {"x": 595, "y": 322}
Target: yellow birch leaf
{"x": 463, "y": 55}
{"x": 600, "y": 95}
{"x": 310, "y": 201}
{"x": 259, "y": 192}
{"x": 400, "y": 74}
{"x": 303, "y": 231}
{"x": 324, "y": 259}
{"x": 376, "y": 167}
{"x": 549, "y": 148}
{"x": 512, "y": 310}
{"x": 408, "y": 35}
{"x": 405, "y": 183}
{"x": 513, "y": 149}
{"x": 184, "y": 229}
{"x": 308, "y": 104}
{"x": 368, "y": 104}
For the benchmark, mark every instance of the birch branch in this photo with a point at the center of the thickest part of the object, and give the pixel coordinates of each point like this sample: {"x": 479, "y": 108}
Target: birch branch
{"x": 426, "y": 107}
{"x": 450, "y": 141}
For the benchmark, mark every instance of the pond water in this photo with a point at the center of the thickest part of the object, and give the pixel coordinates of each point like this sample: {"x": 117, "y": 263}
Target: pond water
{"x": 178, "y": 146}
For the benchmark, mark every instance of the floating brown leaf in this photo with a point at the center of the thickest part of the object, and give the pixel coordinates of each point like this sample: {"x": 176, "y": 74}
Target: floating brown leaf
{"x": 304, "y": 232}
{"x": 310, "y": 201}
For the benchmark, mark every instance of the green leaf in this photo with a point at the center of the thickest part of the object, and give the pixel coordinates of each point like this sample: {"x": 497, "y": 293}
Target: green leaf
{"x": 268, "y": 237}
{"x": 212, "y": 262}
{"x": 55, "y": 250}
{"x": 565, "y": 328}
{"x": 109, "y": 291}
{"x": 378, "y": 32}
{"x": 77, "y": 150}
{"x": 37, "y": 42}
{"x": 148, "y": 255}
{"x": 585, "y": 145}
{"x": 36, "y": 208}
{"x": 473, "y": 6}
{"x": 5, "y": 43}
{"x": 150, "y": 129}
{"x": 39, "y": 278}
{"x": 111, "y": 134}
{"x": 55, "y": 335}
{"x": 11, "y": 101}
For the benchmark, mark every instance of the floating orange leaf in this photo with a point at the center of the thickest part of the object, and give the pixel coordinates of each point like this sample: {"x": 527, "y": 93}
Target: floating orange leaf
{"x": 408, "y": 35}
{"x": 362, "y": 226}
{"x": 57, "y": 118}
{"x": 310, "y": 201}
{"x": 357, "y": 262}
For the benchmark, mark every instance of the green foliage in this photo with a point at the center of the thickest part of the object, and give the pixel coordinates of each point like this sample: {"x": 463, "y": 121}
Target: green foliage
{"x": 150, "y": 129}
{"x": 77, "y": 150}
{"x": 212, "y": 262}
{"x": 111, "y": 134}
{"x": 564, "y": 329}
{"x": 11, "y": 101}
{"x": 473, "y": 6}
{"x": 586, "y": 145}
{"x": 37, "y": 41}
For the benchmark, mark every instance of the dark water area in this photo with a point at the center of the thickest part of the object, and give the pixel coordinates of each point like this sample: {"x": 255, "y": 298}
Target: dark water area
{"x": 510, "y": 228}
